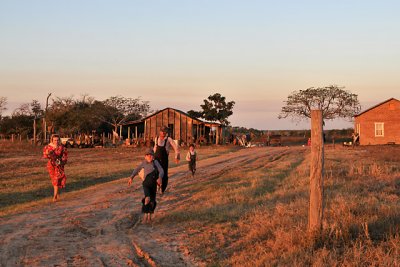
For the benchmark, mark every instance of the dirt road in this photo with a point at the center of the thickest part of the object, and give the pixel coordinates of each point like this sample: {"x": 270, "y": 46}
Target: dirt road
{"x": 101, "y": 226}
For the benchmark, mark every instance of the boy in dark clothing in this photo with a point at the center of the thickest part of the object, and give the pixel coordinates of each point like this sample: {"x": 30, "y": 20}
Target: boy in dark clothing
{"x": 152, "y": 176}
{"x": 191, "y": 157}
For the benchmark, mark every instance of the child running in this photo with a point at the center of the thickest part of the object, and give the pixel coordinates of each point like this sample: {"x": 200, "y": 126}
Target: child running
{"x": 191, "y": 158}
{"x": 153, "y": 173}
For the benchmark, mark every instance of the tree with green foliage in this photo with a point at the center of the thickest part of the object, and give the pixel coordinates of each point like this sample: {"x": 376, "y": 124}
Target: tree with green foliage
{"x": 36, "y": 109}
{"x": 73, "y": 116}
{"x": 20, "y": 121}
{"x": 334, "y": 101}
{"x": 120, "y": 109}
{"x": 215, "y": 108}
{"x": 195, "y": 114}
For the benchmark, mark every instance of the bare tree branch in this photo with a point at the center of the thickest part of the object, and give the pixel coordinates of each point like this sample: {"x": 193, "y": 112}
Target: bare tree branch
{"x": 334, "y": 101}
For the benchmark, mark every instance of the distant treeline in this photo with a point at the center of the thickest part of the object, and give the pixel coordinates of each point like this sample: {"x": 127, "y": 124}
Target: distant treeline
{"x": 68, "y": 116}
{"x": 339, "y": 133}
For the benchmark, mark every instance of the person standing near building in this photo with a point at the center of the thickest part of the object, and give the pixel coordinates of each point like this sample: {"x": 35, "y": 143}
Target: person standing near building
{"x": 356, "y": 139}
{"x": 162, "y": 146}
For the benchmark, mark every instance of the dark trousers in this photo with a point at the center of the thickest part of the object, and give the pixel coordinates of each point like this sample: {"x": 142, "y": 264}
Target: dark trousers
{"x": 149, "y": 191}
{"x": 161, "y": 155}
{"x": 164, "y": 165}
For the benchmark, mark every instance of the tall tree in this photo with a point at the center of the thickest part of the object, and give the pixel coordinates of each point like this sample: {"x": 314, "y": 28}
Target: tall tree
{"x": 37, "y": 113}
{"x": 215, "y": 108}
{"x": 36, "y": 109}
{"x": 72, "y": 116}
{"x": 120, "y": 109}
{"x": 22, "y": 110}
{"x": 57, "y": 114}
{"x": 20, "y": 121}
{"x": 334, "y": 101}
{"x": 318, "y": 104}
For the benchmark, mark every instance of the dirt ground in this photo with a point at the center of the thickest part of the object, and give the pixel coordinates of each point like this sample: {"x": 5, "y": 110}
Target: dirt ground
{"x": 101, "y": 225}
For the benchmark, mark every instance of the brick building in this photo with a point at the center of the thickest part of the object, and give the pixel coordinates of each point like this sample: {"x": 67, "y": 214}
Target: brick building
{"x": 379, "y": 124}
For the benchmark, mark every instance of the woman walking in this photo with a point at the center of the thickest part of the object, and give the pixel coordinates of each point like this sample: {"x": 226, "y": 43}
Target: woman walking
{"x": 57, "y": 157}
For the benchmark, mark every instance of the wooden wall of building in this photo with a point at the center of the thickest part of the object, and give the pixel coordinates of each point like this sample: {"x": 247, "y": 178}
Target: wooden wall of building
{"x": 181, "y": 126}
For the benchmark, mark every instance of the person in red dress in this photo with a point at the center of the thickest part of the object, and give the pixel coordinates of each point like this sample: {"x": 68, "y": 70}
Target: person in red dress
{"x": 57, "y": 155}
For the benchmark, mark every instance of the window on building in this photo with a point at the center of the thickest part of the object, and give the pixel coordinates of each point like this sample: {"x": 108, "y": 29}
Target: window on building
{"x": 379, "y": 129}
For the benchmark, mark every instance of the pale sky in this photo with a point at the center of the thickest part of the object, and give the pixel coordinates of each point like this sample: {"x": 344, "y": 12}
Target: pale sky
{"x": 177, "y": 53}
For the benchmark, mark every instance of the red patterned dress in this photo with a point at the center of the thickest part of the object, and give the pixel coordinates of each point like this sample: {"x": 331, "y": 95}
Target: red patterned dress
{"x": 55, "y": 166}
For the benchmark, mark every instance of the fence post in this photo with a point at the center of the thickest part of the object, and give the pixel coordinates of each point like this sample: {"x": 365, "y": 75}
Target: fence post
{"x": 316, "y": 174}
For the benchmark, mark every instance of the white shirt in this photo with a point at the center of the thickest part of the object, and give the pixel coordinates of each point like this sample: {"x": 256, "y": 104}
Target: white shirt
{"x": 170, "y": 143}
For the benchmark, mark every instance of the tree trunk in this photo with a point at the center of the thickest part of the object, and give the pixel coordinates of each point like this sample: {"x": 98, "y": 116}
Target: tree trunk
{"x": 34, "y": 131}
{"x": 316, "y": 174}
{"x": 44, "y": 131}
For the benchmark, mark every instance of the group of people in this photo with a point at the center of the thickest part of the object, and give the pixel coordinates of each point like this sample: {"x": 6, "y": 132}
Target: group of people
{"x": 153, "y": 170}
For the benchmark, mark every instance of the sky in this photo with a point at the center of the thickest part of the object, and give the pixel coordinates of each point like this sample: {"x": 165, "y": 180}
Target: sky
{"x": 177, "y": 53}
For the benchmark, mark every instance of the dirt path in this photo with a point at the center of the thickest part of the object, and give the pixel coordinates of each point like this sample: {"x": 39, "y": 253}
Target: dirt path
{"x": 101, "y": 226}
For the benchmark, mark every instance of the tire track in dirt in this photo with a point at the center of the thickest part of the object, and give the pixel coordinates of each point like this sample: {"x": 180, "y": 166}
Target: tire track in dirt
{"x": 207, "y": 170}
{"x": 100, "y": 226}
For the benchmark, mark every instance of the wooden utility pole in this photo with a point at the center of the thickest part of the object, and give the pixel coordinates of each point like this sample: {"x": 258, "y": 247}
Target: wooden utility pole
{"x": 44, "y": 120}
{"x": 316, "y": 174}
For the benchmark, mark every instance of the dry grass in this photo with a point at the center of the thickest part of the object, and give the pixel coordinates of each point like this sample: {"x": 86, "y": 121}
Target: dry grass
{"x": 24, "y": 178}
{"x": 256, "y": 215}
